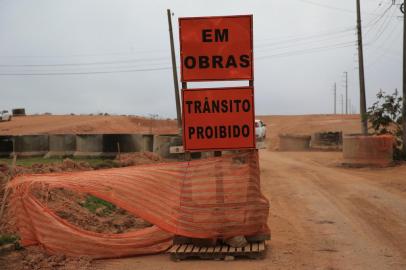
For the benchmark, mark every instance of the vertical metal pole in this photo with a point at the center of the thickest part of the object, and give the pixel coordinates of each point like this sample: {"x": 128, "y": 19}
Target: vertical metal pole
{"x": 404, "y": 81}
{"x": 363, "y": 103}
{"x": 335, "y": 98}
{"x": 175, "y": 73}
{"x": 342, "y": 104}
{"x": 346, "y": 92}
{"x": 188, "y": 155}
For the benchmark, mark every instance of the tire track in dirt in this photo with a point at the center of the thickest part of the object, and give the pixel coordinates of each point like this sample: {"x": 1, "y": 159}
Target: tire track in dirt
{"x": 382, "y": 230}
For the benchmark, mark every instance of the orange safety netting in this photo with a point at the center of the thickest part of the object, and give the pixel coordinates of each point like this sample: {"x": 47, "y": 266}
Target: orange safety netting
{"x": 217, "y": 197}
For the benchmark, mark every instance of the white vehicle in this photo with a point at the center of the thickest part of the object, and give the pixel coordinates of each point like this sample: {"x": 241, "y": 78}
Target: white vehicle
{"x": 260, "y": 130}
{"x": 5, "y": 116}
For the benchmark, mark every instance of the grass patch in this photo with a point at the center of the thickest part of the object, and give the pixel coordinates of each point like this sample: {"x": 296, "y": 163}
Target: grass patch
{"x": 98, "y": 206}
{"x": 29, "y": 161}
{"x": 8, "y": 239}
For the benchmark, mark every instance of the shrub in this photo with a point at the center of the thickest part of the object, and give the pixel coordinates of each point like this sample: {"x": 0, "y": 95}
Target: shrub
{"x": 385, "y": 116}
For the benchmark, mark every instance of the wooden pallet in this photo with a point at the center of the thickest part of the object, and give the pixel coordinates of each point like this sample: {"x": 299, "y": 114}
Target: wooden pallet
{"x": 251, "y": 251}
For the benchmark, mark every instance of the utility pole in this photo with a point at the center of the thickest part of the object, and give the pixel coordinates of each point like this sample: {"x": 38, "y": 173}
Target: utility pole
{"x": 349, "y": 106}
{"x": 175, "y": 73}
{"x": 346, "y": 92}
{"x": 335, "y": 98}
{"x": 363, "y": 103}
{"x": 404, "y": 80}
{"x": 342, "y": 104}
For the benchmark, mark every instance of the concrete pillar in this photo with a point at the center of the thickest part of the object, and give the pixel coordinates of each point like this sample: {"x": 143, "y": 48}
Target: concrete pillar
{"x": 128, "y": 143}
{"x": 89, "y": 145}
{"x": 6, "y": 146}
{"x": 360, "y": 150}
{"x": 147, "y": 143}
{"x": 18, "y": 112}
{"x": 162, "y": 143}
{"x": 61, "y": 145}
{"x": 293, "y": 142}
{"x": 327, "y": 140}
{"x": 31, "y": 145}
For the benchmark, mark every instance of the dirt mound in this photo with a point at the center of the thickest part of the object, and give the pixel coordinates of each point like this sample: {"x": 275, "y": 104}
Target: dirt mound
{"x": 89, "y": 212}
{"x": 137, "y": 159}
{"x": 75, "y": 207}
{"x": 82, "y": 124}
{"x": 85, "y": 211}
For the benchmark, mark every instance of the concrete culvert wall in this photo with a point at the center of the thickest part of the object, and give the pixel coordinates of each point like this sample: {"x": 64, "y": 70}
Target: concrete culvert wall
{"x": 61, "y": 145}
{"x": 147, "y": 143}
{"x": 294, "y": 142}
{"x": 89, "y": 145}
{"x": 31, "y": 145}
{"x": 128, "y": 143}
{"x": 6, "y": 146}
{"x": 327, "y": 140}
{"x": 360, "y": 150}
{"x": 18, "y": 112}
{"x": 162, "y": 144}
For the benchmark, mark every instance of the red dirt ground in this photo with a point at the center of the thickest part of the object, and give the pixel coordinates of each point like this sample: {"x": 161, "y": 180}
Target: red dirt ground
{"x": 86, "y": 124}
{"x": 322, "y": 216}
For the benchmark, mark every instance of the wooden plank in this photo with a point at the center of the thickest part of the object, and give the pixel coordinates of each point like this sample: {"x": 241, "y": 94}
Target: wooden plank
{"x": 232, "y": 250}
{"x": 224, "y": 249}
{"x": 186, "y": 251}
{"x": 255, "y": 247}
{"x": 182, "y": 249}
{"x": 189, "y": 248}
{"x": 210, "y": 250}
{"x": 174, "y": 248}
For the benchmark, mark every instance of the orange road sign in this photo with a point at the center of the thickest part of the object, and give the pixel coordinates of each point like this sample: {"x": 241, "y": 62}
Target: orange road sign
{"x": 216, "y": 48}
{"x": 218, "y": 118}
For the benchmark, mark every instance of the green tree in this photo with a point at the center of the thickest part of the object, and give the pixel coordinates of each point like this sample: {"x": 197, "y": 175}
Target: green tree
{"x": 385, "y": 116}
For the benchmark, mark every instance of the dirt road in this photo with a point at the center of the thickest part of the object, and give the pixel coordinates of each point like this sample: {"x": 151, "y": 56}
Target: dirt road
{"x": 322, "y": 217}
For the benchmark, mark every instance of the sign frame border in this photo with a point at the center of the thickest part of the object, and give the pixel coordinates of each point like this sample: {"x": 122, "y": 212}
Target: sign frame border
{"x": 250, "y": 88}
{"x": 211, "y": 17}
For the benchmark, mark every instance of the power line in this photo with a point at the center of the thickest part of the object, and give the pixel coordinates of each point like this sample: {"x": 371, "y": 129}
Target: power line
{"x": 328, "y": 6}
{"x": 383, "y": 50}
{"x": 304, "y": 43}
{"x": 309, "y": 50}
{"x": 85, "y": 54}
{"x": 381, "y": 29}
{"x": 86, "y": 63}
{"x": 375, "y": 20}
{"x": 84, "y": 73}
{"x": 333, "y": 7}
{"x": 314, "y": 36}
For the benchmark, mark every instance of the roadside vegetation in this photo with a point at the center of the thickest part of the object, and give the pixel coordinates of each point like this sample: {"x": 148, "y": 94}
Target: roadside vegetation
{"x": 29, "y": 161}
{"x": 385, "y": 116}
{"x": 98, "y": 206}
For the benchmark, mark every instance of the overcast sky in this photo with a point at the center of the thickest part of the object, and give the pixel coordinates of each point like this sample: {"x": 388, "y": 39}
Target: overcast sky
{"x": 301, "y": 47}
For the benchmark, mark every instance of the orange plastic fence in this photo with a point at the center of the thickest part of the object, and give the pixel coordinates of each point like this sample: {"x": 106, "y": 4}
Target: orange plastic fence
{"x": 217, "y": 197}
